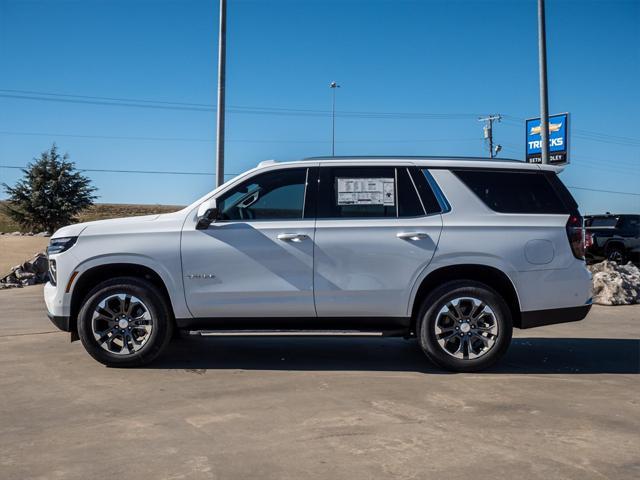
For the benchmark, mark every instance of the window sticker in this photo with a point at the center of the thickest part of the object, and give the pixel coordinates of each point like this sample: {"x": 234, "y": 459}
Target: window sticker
{"x": 366, "y": 191}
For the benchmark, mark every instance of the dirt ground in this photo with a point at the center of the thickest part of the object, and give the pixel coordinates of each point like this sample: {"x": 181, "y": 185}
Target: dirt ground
{"x": 15, "y": 250}
{"x": 563, "y": 403}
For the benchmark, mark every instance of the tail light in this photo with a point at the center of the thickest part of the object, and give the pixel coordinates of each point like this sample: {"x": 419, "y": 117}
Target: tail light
{"x": 588, "y": 240}
{"x": 575, "y": 233}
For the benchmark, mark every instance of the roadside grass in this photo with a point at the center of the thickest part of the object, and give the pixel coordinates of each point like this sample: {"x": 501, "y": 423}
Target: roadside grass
{"x": 99, "y": 211}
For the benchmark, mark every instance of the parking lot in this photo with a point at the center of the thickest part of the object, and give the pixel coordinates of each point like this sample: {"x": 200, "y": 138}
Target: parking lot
{"x": 564, "y": 403}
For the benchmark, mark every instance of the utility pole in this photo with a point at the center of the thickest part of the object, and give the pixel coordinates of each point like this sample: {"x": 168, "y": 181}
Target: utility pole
{"x": 222, "y": 67}
{"x": 488, "y": 132}
{"x": 544, "y": 99}
{"x": 333, "y": 86}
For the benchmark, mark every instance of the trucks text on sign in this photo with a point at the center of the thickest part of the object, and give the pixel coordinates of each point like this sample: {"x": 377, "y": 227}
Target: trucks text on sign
{"x": 558, "y": 139}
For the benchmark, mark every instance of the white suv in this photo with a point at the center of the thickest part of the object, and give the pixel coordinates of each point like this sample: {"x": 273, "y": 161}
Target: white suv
{"x": 453, "y": 251}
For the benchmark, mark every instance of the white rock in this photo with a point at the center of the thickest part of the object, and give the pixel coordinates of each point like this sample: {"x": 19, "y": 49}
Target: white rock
{"x": 615, "y": 284}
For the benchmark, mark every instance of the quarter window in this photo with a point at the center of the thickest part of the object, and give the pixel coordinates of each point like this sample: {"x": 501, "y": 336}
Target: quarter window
{"x": 274, "y": 195}
{"x": 514, "y": 192}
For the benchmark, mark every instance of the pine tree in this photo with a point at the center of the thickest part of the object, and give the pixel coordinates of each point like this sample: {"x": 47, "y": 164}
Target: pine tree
{"x": 50, "y": 193}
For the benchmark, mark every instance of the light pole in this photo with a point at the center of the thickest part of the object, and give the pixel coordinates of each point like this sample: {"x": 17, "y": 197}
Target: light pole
{"x": 333, "y": 86}
{"x": 544, "y": 99}
{"x": 222, "y": 61}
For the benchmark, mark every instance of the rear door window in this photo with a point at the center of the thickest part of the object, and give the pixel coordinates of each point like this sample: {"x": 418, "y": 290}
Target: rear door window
{"x": 371, "y": 192}
{"x": 516, "y": 191}
{"x": 409, "y": 204}
{"x": 357, "y": 192}
{"x": 432, "y": 197}
{"x": 629, "y": 224}
{"x": 603, "y": 222}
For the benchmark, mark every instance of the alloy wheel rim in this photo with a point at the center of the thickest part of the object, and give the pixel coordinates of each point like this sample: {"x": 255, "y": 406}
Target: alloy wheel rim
{"x": 466, "y": 328}
{"x": 121, "y": 324}
{"x": 615, "y": 256}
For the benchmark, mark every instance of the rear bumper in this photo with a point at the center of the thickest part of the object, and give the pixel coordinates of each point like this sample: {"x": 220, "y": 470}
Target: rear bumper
{"x": 539, "y": 318}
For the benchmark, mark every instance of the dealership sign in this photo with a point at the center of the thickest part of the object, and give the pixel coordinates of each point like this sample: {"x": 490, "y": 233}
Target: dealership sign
{"x": 558, "y": 139}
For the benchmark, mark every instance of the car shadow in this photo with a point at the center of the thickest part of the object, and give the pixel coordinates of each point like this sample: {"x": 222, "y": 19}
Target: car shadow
{"x": 307, "y": 353}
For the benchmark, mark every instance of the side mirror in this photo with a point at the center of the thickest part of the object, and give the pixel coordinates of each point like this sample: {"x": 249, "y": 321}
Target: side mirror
{"x": 207, "y": 214}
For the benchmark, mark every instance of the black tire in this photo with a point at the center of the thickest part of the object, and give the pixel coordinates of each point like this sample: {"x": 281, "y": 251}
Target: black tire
{"x": 617, "y": 253}
{"x": 429, "y": 315}
{"x": 158, "y": 310}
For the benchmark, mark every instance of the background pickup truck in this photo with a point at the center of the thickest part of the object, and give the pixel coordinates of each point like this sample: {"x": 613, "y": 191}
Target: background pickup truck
{"x": 612, "y": 237}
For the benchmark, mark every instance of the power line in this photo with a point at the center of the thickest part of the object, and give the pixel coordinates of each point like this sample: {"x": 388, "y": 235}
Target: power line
{"x": 115, "y": 99}
{"x": 145, "y": 103}
{"x": 605, "y": 191}
{"x": 164, "y": 172}
{"x": 592, "y": 163}
{"x": 154, "y": 172}
{"x": 584, "y": 134}
{"x": 148, "y": 103}
{"x": 183, "y": 139}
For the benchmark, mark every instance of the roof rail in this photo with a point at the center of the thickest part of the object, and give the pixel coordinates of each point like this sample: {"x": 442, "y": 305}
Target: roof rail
{"x": 411, "y": 157}
{"x": 266, "y": 163}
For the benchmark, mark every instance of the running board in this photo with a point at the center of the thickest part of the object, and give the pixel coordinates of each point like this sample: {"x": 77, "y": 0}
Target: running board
{"x": 297, "y": 333}
{"x": 295, "y": 324}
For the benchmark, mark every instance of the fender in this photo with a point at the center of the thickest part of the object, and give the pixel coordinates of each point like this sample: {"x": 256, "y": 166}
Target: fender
{"x": 440, "y": 262}
{"x": 173, "y": 284}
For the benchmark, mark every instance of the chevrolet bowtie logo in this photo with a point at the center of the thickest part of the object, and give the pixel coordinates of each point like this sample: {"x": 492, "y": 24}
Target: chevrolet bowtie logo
{"x": 200, "y": 275}
{"x": 553, "y": 127}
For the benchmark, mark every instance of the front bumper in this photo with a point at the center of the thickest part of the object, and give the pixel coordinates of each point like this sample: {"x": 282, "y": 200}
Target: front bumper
{"x": 58, "y": 307}
{"x": 539, "y": 318}
{"x": 60, "y": 321}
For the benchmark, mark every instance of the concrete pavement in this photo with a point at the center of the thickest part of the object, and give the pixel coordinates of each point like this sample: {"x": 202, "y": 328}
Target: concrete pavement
{"x": 564, "y": 403}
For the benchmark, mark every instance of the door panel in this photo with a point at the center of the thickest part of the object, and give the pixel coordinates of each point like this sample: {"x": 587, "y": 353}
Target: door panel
{"x": 256, "y": 273}
{"x": 257, "y": 259}
{"x": 368, "y": 266}
{"x": 363, "y": 268}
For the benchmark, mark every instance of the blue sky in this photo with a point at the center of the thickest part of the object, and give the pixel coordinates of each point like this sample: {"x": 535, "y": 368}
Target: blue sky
{"x": 444, "y": 61}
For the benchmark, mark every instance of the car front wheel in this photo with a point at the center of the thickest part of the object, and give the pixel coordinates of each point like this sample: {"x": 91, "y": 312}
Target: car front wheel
{"x": 125, "y": 322}
{"x": 464, "y": 326}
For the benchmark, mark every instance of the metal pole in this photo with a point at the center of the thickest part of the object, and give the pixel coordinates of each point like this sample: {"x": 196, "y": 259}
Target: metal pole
{"x": 222, "y": 54}
{"x": 333, "y": 86}
{"x": 544, "y": 99}
{"x": 490, "y": 137}
{"x": 489, "y": 130}
{"x": 333, "y": 125}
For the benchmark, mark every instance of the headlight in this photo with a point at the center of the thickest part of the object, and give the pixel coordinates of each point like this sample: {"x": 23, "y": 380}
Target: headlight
{"x": 59, "y": 245}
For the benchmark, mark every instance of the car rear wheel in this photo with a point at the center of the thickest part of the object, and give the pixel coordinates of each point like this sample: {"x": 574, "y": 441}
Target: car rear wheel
{"x": 616, "y": 253}
{"x": 464, "y": 326}
{"x": 125, "y": 322}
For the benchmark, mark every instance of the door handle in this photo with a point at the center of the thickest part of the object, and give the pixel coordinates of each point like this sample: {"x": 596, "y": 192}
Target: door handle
{"x": 292, "y": 237}
{"x": 412, "y": 236}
